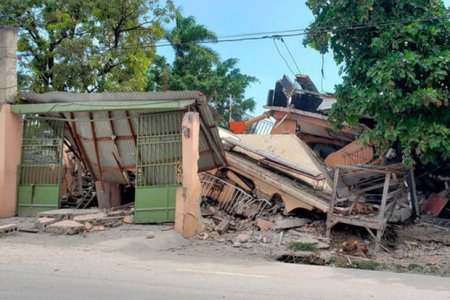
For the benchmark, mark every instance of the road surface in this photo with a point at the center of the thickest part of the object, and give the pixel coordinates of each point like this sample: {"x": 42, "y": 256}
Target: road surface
{"x": 124, "y": 269}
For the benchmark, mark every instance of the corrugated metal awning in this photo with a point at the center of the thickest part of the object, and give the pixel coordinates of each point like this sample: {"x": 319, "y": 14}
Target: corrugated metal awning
{"x": 103, "y": 127}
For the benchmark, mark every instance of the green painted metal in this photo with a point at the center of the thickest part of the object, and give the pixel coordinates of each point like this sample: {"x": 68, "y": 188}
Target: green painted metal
{"x": 100, "y": 106}
{"x": 40, "y": 168}
{"x": 155, "y": 204}
{"x": 158, "y": 167}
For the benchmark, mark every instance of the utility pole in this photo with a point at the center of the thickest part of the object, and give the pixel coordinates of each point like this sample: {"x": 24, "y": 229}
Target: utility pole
{"x": 230, "y": 102}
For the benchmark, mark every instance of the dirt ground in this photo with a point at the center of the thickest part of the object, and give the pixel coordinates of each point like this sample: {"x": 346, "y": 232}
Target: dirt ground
{"x": 415, "y": 247}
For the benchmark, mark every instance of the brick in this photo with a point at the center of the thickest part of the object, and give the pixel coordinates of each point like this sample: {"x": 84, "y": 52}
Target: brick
{"x": 264, "y": 225}
{"x": 128, "y": 219}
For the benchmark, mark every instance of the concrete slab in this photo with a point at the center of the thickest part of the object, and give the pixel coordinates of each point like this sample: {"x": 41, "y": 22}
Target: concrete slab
{"x": 43, "y": 222}
{"x": 94, "y": 218}
{"x": 65, "y": 227}
{"x": 67, "y": 213}
{"x": 291, "y": 223}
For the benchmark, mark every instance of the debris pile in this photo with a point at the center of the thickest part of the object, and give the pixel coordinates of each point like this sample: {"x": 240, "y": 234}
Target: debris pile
{"x": 232, "y": 216}
{"x": 74, "y": 221}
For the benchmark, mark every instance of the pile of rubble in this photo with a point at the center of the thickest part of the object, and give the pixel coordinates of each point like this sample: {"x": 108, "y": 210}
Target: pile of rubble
{"x": 269, "y": 228}
{"x": 74, "y": 221}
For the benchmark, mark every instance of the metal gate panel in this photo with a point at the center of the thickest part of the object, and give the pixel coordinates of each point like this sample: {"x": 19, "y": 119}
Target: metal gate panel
{"x": 40, "y": 168}
{"x": 158, "y": 166}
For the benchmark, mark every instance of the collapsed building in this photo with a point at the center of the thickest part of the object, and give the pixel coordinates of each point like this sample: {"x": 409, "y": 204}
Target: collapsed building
{"x": 292, "y": 153}
{"x": 110, "y": 149}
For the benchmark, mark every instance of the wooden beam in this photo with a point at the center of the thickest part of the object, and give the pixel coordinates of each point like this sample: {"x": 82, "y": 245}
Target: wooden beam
{"x": 122, "y": 170}
{"x": 97, "y": 157}
{"x": 111, "y": 123}
{"x": 81, "y": 147}
{"x": 130, "y": 125}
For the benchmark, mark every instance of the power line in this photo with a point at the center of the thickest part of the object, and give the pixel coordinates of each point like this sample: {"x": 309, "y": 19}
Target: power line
{"x": 281, "y": 55}
{"x": 290, "y": 54}
{"x": 284, "y": 34}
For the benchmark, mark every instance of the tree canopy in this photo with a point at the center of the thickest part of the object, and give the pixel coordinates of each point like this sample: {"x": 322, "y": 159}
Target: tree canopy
{"x": 198, "y": 67}
{"x": 395, "y": 60}
{"x": 93, "y": 46}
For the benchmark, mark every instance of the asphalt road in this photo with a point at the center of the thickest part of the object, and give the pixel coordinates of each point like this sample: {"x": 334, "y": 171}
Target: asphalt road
{"x": 40, "y": 271}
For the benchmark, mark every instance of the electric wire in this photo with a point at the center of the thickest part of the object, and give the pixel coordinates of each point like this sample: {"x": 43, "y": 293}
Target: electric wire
{"x": 290, "y": 54}
{"x": 281, "y": 55}
{"x": 270, "y": 35}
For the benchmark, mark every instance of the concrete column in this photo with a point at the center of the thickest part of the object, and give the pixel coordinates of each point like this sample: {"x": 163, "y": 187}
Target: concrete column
{"x": 10, "y": 124}
{"x": 187, "y": 209}
{"x": 8, "y": 76}
{"x": 10, "y": 148}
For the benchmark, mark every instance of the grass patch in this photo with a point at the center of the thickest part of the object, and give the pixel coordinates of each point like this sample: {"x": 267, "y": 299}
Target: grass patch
{"x": 415, "y": 268}
{"x": 365, "y": 265}
{"x": 299, "y": 246}
{"x": 338, "y": 262}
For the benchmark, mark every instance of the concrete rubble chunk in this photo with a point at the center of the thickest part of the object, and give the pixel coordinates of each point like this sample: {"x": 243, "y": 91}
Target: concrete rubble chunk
{"x": 242, "y": 238}
{"x": 89, "y": 217}
{"x": 223, "y": 226}
{"x": 66, "y": 213}
{"x": 88, "y": 226}
{"x": 98, "y": 228}
{"x": 65, "y": 227}
{"x": 128, "y": 219}
{"x": 43, "y": 222}
{"x": 9, "y": 228}
{"x": 291, "y": 223}
{"x": 264, "y": 225}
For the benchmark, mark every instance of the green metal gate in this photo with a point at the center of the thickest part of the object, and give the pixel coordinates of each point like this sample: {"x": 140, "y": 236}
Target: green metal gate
{"x": 158, "y": 166}
{"x": 40, "y": 168}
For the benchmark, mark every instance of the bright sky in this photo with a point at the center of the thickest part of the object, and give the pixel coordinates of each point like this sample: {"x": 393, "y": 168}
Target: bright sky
{"x": 260, "y": 58}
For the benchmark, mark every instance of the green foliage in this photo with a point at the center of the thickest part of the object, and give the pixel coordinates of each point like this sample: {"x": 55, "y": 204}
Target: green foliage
{"x": 198, "y": 67}
{"x": 93, "y": 46}
{"x": 365, "y": 265}
{"x": 395, "y": 57}
{"x": 299, "y": 246}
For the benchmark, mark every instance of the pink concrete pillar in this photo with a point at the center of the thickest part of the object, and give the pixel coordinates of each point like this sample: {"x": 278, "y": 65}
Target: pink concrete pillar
{"x": 10, "y": 148}
{"x": 187, "y": 209}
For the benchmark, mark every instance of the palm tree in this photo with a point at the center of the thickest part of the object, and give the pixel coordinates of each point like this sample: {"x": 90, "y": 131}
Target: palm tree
{"x": 186, "y": 37}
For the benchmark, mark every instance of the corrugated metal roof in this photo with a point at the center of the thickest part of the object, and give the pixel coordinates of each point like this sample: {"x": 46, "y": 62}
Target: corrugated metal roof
{"x": 113, "y": 132}
{"x": 62, "y": 97}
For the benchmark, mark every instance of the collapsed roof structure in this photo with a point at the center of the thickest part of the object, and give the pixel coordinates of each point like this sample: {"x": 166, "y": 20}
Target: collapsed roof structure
{"x": 131, "y": 139}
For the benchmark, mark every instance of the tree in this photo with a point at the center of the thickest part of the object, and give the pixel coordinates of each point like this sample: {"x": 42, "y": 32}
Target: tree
{"x": 198, "y": 67}
{"x": 94, "y": 46}
{"x": 395, "y": 56}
